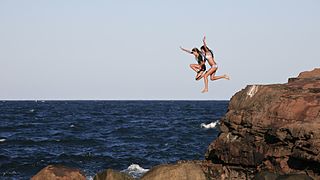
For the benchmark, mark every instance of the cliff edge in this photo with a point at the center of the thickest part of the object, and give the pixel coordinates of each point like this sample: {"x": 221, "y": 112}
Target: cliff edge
{"x": 273, "y": 128}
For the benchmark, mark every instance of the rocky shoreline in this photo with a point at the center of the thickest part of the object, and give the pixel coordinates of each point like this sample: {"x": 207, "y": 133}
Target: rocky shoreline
{"x": 268, "y": 132}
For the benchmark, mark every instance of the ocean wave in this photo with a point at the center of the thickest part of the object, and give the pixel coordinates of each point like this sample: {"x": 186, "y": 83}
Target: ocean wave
{"x": 135, "y": 170}
{"x": 211, "y": 125}
{"x": 3, "y": 140}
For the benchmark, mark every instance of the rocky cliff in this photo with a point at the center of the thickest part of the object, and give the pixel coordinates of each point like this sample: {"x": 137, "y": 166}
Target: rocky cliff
{"x": 272, "y": 127}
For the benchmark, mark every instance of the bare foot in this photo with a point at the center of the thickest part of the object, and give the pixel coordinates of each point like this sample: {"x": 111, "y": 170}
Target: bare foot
{"x": 226, "y": 77}
{"x": 203, "y": 74}
{"x": 199, "y": 75}
{"x": 204, "y": 90}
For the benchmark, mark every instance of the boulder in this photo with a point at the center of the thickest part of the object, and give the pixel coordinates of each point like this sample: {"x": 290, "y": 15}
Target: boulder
{"x": 185, "y": 171}
{"x": 58, "y": 172}
{"x": 111, "y": 174}
{"x": 223, "y": 172}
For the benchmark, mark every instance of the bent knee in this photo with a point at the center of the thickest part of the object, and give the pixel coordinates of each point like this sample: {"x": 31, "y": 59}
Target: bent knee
{"x": 213, "y": 78}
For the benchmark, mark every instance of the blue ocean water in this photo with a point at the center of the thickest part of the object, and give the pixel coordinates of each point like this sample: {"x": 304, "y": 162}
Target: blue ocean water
{"x": 95, "y": 135}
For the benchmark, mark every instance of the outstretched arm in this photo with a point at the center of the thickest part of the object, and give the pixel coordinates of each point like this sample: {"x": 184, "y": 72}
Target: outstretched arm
{"x": 205, "y": 44}
{"x": 186, "y": 50}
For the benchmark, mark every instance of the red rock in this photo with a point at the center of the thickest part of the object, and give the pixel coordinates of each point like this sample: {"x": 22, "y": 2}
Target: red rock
{"x": 272, "y": 127}
{"x": 57, "y": 172}
{"x": 310, "y": 74}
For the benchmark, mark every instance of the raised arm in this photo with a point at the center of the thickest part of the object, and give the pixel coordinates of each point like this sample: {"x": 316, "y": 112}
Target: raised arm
{"x": 205, "y": 44}
{"x": 186, "y": 50}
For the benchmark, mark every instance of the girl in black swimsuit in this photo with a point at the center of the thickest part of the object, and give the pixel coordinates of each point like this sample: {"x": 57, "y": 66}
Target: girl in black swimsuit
{"x": 199, "y": 68}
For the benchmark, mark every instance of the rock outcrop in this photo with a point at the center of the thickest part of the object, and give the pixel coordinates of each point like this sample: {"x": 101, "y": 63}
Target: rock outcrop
{"x": 273, "y": 128}
{"x": 57, "y": 172}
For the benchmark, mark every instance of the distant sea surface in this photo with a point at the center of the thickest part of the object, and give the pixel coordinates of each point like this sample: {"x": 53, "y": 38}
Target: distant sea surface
{"x": 96, "y": 135}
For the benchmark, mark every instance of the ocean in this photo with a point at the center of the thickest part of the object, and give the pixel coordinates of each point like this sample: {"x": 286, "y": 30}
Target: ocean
{"x": 129, "y": 136}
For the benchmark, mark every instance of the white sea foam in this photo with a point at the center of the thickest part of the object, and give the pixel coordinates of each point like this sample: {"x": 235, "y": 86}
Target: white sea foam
{"x": 210, "y": 125}
{"x": 2, "y": 140}
{"x": 89, "y": 178}
{"x": 31, "y": 110}
{"x": 135, "y": 170}
{"x": 72, "y": 126}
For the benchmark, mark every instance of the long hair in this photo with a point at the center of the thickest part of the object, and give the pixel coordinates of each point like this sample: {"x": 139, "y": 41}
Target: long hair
{"x": 199, "y": 57}
{"x": 196, "y": 50}
{"x": 205, "y": 49}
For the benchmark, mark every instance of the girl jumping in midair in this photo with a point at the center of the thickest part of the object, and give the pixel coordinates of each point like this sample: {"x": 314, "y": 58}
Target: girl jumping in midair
{"x": 200, "y": 67}
{"x": 208, "y": 55}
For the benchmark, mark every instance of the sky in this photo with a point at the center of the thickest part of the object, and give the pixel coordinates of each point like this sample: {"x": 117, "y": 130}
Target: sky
{"x": 129, "y": 50}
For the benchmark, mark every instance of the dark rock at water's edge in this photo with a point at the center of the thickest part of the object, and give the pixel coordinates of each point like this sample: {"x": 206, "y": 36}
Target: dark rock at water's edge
{"x": 219, "y": 171}
{"x": 58, "y": 172}
{"x": 111, "y": 174}
{"x": 273, "y": 128}
{"x": 185, "y": 171}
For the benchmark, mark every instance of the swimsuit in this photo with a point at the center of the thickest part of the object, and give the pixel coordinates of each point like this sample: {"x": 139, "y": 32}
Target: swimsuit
{"x": 203, "y": 68}
{"x": 214, "y": 66}
{"x": 200, "y": 61}
{"x": 207, "y": 56}
{"x": 210, "y": 55}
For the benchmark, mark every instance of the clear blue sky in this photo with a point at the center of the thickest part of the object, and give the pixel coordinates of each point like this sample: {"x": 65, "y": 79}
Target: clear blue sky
{"x": 125, "y": 49}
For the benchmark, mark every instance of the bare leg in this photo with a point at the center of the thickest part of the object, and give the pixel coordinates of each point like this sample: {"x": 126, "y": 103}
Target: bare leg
{"x": 195, "y": 67}
{"x": 205, "y": 77}
{"x": 199, "y": 75}
{"x": 213, "y": 77}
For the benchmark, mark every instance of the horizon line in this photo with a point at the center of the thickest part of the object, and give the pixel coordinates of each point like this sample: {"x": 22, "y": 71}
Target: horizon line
{"x": 112, "y": 100}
